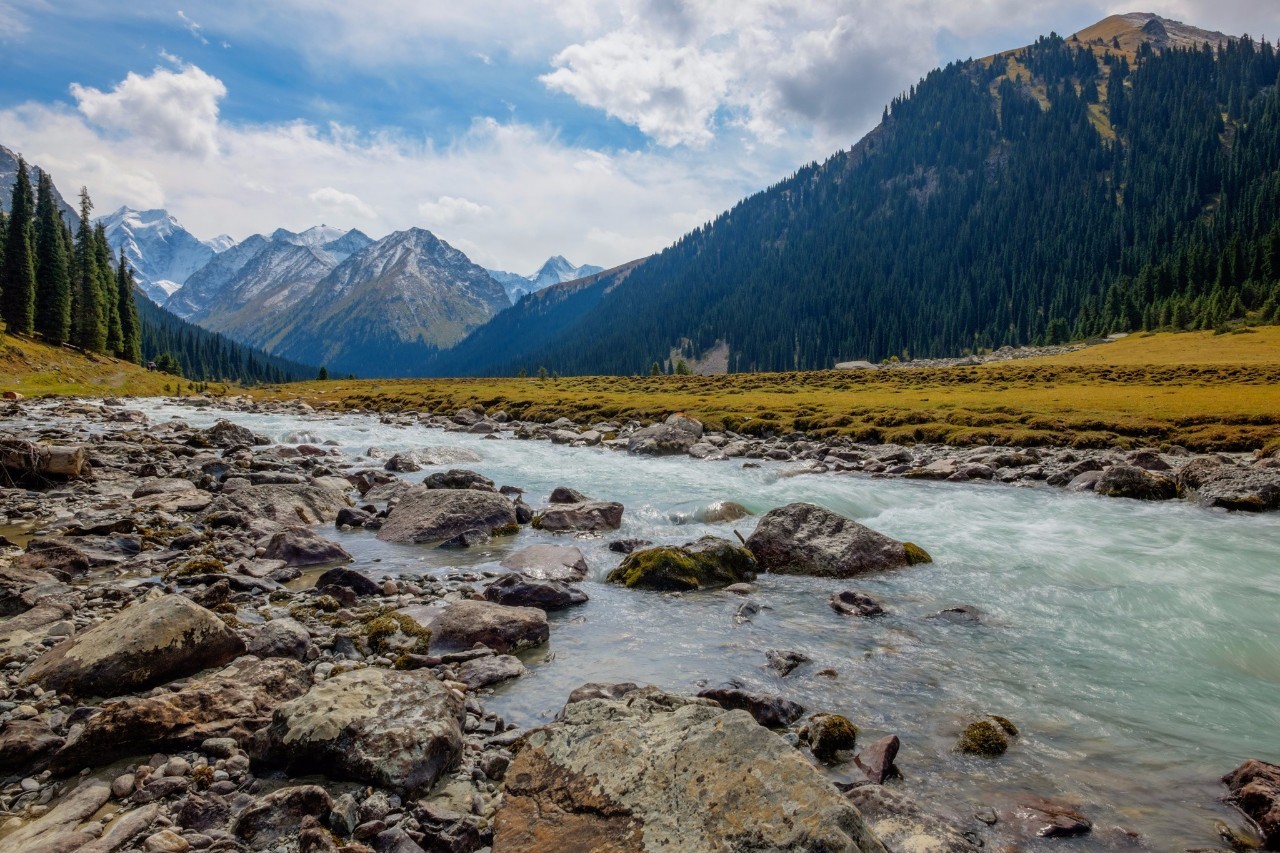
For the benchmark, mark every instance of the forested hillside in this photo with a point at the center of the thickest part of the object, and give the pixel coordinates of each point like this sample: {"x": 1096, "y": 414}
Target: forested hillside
{"x": 65, "y": 288}
{"x": 1069, "y": 189}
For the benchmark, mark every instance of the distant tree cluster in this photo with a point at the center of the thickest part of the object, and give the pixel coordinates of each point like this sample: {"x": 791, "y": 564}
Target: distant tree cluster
{"x": 62, "y": 286}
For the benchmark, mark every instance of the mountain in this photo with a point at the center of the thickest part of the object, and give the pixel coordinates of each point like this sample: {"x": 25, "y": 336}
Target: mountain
{"x": 242, "y": 292}
{"x": 385, "y": 309}
{"x": 556, "y": 270}
{"x": 9, "y": 171}
{"x": 1127, "y": 177}
{"x": 161, "y": 252}
{"x": 534, "y": 322}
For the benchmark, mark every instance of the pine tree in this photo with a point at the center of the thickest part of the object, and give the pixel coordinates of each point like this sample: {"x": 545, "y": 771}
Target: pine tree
{"x": 107, "y": 289}
{"x": 130, "y": 327}
{"x": 88, "y": 319}
{"x": 18, "y": 272}
{"x": 53, "y": 270}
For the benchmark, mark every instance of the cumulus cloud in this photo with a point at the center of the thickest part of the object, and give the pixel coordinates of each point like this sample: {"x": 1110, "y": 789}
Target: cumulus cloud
{"x": 335, "y": 201}
{"x": 447, "y": 210}
{"x": 172, "y": 110}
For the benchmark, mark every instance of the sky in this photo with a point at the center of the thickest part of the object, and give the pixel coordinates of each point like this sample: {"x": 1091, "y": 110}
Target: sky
{"x": 513, "y": 129}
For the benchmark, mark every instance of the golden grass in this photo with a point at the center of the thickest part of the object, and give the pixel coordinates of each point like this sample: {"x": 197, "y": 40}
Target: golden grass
{"x": 32, "y": 368}
{"x": 1198, "y": 390}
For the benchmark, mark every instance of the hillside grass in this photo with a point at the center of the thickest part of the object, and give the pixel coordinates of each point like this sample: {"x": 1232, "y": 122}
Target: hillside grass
{"x": 33, "y": 369}
{"x": 1198, "y": 390}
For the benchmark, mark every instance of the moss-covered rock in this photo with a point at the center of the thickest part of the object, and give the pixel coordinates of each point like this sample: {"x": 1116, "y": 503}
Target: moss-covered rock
{"x": 829, "y": 734}
{"x": 987, "y": 738}
{"x": 709, "y": 562}
{"x": 397, "y": 633}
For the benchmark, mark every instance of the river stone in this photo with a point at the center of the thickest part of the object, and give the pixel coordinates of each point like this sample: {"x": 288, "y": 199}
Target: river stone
{"x": 146, "y": 644}
{"x": 464, "y": 623}
{"x": 394, "y": 728}
{"x": 519, "y": 591}
{"x": 232, "y": 703}
{"x": 490, "y": 669}
{"x": 1130, "y": 481}
{"x": 302, "y": 546}
{"x": 877, "y": 759}
{"x": 279, "y": 814}
{"x": 63, "y": 562}
{"x": 165, "y": 486}
{"x": 1255, "y": 789}
{"x": 566, "y": 495}
{"x": 548, "y": 562}
{"x": 433, "y": 515}
{"x": 280, "y": 638}
{"x": 58, "y": 829}
{"x": 286, "y": 504}
{"x": 829, "y": 735}
{"x": 904, "y": 825}
{"x": 589, "y": 517}
{"x": 804, "y": 539}
{"x": 721, "y": 511}
{"x": 770, "y": 711}
{"x": 225, "y": 434}
{"x": 358, "y": 583}
{"x": 850, "y": 602}
{"x": 661, "y": 440}
{"x": 707, "y": 563}
{"x": 459, "y": 478}
{"x": 654, "y": 771}
{"x": 1231, "y": 486}
{"x": 23, "y": 741}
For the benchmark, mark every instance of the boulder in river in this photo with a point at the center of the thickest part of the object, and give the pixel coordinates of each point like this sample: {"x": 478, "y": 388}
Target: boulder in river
{"x": 1230, "y": 486}
{"x": 548, "y": 562}
{"x": 674, "y": 436}
{"x": 434, "y": 515}
{"x": 877, "y": 759}
{"x": 773, "y": 712}
{"x": 988, "y": 737}
{"x": 146, "y": 644}
{"x": 233, "y": 702}
{"x": 1130, "y": 481}
{"x": 459, "y": 478}
{"x": 581, "y": 517}
{"x": 23, "y": 741}
{"x": 566, "y": 495}
{"x": 704, "y": 564}
{"x": 464, "y": 623}
{"x": 358, "y": 583}
{"x": 302, "y": 546}
{"x": 828, "y": 735}
{"x": 804, "y": 539}
{"x": 285, "y": 504}
{"x": 1254, "y": 788}
{"x": 850, "y": 602}
{"x": 696, "y": 777}
{"x": 519, "y": 591}
{"x": 394, "y": 728}
{"x": 904, "y": 824}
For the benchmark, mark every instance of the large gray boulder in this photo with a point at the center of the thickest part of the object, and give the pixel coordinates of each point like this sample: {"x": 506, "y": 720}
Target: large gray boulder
{"x": 548, "y": 562}
{"x": 233, "y": 702}
{"x": 675, "y": 436}
{"x": 516, "y": 590}
{"x": 804, "y": 539}
{"x": 1216, "y": 483}
{"x": 392, "y": 728}
{"x": 433, "y": 515}
{"x": 285, "y": 504}
{"x": 651, "y": 771}
{"x": 464, "y": 623}
{"x": 593, "y": 516}
{"x": 302, "y": 546}
{"x": 146, "y": 644}
{"x": 1130, "y": 481}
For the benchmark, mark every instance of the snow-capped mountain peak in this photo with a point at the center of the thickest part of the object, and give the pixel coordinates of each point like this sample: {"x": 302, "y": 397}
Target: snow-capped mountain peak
{"x": 555, "y": 270}
{"x": 162, "y": 253}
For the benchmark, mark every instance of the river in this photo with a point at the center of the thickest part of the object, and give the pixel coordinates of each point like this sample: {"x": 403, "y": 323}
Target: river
{"x": 1136, "y": 646}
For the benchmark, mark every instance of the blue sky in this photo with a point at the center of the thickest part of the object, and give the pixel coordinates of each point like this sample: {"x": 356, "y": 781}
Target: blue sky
{"x": 515, "y": 130}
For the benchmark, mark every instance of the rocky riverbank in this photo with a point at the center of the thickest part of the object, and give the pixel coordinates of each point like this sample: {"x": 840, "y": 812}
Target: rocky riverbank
{"x": 190, "y": 663}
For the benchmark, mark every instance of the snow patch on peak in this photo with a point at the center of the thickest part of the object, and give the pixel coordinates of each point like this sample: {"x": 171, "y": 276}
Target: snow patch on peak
{"x": 555, "y": 270}
{"x": 161, "y": 252}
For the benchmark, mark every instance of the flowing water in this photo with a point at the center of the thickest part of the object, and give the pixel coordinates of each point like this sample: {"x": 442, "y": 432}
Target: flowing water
{"x": 1136, "y": 646}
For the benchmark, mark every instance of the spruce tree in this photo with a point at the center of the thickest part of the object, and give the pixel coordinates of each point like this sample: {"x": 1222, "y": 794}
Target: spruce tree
{"x": 53, "y": 270}
{"x": 130, "y": 328}
{"x": 88, "y": 320}
{"x": 18, "y": 272}
{"x": 107, "y": 289}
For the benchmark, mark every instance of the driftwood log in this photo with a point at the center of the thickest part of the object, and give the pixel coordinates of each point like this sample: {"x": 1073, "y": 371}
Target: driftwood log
{"x": 25, "y": 460}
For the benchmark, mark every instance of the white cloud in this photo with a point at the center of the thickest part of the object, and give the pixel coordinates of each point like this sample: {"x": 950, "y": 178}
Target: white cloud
{"x": 335, "y": 201}
{"x": 171, "y": 110}
{"x": 447, "y": 210}
{"x": 192, "y": 27}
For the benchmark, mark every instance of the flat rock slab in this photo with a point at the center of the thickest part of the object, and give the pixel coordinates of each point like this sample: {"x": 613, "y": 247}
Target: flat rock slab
{"x": 146, "y": 644}
{"x": 651, "y": 771}
{"x": 433, "y": 515}
{"x": 593, "y": 516}
{"x": 286, "y": 504}
{"x": 234, "y": 702}
{"x": 464, "y": 623}
{"x": 804, "y": 539}
{"x": 548, "y": 562}
{"x": 396, "y": 728}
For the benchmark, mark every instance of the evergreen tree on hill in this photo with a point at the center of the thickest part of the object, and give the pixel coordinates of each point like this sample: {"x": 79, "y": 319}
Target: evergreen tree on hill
{"x": 18, "y": 270}
{"x": 88, "y": 317}
{"x": 127, "y": 309}
{"x": 53, "y": 271}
